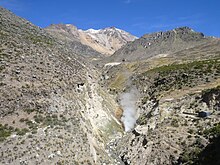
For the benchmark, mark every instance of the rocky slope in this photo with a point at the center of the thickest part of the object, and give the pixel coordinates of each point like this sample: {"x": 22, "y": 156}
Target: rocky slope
{"x": 173, "y": 90}
{"x": 52, "y": 110}
{"x": 105, "y": 41}
{"x": 160, "y": 43}
{"x": 69, "y": 35}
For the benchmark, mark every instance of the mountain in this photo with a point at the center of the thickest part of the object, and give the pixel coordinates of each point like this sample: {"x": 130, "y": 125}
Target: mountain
{"x": 156, "y": 102}
{"x": 52, "y": 109}
{"x": 69, "y": 35}
{"x": 162, "y": 43}
{"x": 105, "y": 41}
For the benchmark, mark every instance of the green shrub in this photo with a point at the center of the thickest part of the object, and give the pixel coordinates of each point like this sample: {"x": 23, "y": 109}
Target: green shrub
{"x": 214, "y": 131}
{"x": 4, "y": 132}
{"x": 22, "y": 131}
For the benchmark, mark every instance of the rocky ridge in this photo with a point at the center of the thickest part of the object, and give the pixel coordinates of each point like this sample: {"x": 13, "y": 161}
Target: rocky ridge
{"x": 159, "y": 43}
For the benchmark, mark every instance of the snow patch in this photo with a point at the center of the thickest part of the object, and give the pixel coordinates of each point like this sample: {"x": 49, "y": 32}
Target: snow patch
{"x": 113, "y": 64}
{"x": 92, "y": 31}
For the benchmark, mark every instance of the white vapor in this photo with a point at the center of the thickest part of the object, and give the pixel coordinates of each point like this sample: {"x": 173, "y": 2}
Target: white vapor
{"x": 128, "y": 103}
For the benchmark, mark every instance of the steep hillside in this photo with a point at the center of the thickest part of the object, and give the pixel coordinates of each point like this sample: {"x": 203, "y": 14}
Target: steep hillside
{"x": 160, "y": 43}
{"x": 174, "y": 89}
{"x": 105, "y": 41}
{"x": 52, "y": 109}
{"x": 168, "y": 128}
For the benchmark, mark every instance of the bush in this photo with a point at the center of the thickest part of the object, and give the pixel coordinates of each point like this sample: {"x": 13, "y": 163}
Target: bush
{"x": 22, "y": 131}
{"x": 215, "y": 131}
{"x": 189, "y": 157}
{"x": 4, "y": 132}
{"x": 38, "y": 118}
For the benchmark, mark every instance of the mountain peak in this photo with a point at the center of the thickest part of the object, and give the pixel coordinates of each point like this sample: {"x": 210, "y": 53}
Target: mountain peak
{"x": 105, "y": 41}
{"x": 186, "y": 28}
{"x": 114, "y": 29}
{"x": 160, "y": 43}
{"x": 92, "y": 30}
{"x": 181, "y": 32}
{"x": 111, "y": 28}
{"x": 110, "y": 39}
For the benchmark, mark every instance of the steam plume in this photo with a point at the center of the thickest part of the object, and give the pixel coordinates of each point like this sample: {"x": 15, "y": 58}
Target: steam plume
{"x": 128, "y": 103}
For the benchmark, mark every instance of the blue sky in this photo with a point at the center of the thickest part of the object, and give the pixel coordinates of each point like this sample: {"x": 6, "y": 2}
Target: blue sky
{"x": 135, "y": 16}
